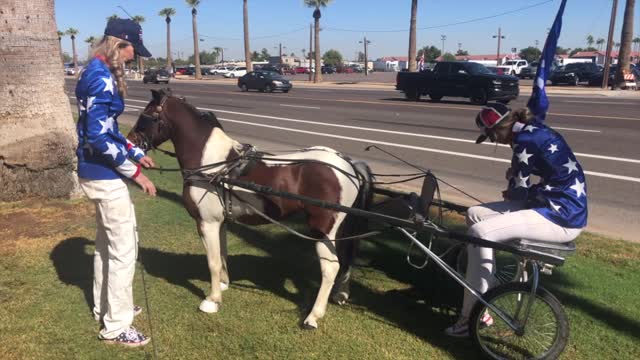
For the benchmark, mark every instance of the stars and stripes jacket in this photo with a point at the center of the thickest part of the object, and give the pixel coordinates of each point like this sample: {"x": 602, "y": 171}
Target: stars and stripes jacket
{"x": 103, "y": 152}
{"x": 561, "y": 194}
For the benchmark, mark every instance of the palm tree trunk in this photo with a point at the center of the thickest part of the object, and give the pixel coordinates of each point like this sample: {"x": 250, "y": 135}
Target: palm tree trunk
{"x": 169, "y": 62}
{"x": 412, "y": 36}
{"x": 196, "y": 48}
{"x": 75, "y": 54}
{"x": 318, "y": 74}
{"x": 140, "y": 67}
{"x": 247, "y": 48}
{"x": 37, "y": 148}
{"x": 625, "y": 44}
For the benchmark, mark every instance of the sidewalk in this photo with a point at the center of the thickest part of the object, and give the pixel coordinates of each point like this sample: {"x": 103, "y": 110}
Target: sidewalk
{"x": 358, "y": 85}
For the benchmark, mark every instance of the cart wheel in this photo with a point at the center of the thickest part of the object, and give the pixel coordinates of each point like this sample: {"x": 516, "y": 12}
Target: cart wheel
{"x": 509, "y": 267}
{"x": 544, "y": 335}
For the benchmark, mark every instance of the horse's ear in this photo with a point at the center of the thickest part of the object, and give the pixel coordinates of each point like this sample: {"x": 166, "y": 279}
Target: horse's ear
{"x": 157, "y": 96}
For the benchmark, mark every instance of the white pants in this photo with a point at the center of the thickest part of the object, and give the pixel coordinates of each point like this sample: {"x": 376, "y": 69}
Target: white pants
{"x": 115, "y": 254}
{"x": 503, "y": 221}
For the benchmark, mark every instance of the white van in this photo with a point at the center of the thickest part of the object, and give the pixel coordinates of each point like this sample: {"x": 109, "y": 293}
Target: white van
{"x": 236, "y": 72}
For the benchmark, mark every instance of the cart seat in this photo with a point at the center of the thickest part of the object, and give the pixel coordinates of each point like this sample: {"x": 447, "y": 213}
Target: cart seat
{"x": 553, "y": 248}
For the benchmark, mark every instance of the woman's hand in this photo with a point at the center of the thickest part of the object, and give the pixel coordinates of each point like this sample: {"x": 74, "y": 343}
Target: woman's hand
{"x": 146, "y": 184}
{"x": 147, "y": 162}
{"x": 505, "y": 195}
{"x": 509, "y": 174}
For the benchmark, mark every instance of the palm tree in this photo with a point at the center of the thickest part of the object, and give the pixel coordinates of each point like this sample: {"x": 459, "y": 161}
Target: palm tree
{"x": 72, "y": 33}
{"x": 247, "y": 48}
{"x": 196, "y": 51}
{"x": 625, "y": 39}
{"x": 600, "y": 42}
{"x": 60, "y": 35}
{"x": 168, "y": 13}
{"x": 90, "y": 40}
{"x": 317, "y": 4}
{"x": 636, "y": 43}
{"x": 38, "y": 157}
{"x": 412, "y": 36}
{"x": 590, "y": 40}
{"x": 617, "y": 46}
{"x": 219, "y": 50}
{"x": 139, "y": 19}
{"x": 113, "y": 17}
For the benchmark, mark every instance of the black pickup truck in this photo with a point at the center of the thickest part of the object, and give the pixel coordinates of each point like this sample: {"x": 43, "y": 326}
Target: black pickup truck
{"x": 458, "y": 79}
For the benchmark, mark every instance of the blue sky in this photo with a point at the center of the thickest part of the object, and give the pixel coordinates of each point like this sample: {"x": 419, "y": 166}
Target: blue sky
{"x": 287, "y": 21}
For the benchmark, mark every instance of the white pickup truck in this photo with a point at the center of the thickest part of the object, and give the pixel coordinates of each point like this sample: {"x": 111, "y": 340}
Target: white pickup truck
{"x": 513, "y": 67}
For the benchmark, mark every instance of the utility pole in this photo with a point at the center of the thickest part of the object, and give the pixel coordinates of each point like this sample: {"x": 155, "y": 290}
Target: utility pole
{"x": 607, "y": 59}
{"x": 310, "y": 47}
{"x": 280, "y": 47}
{"x": 443, "y": 38}
{"x": 366, "y": 56}
{"x": 500, "y": 37}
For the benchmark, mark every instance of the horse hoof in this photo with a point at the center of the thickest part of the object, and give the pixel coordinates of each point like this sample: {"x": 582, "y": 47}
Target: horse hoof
{"x": 340, "y": 298}
{"x": 209, "y": 306}
{"x": 308, "y": 326}
{"x": 224, "y": 286}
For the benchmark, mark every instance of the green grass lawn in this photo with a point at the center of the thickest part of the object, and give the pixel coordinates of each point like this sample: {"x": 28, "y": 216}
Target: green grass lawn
{"x": 396, "y": 312}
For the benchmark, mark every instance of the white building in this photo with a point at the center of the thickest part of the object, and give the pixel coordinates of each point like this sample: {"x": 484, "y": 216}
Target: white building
{"x": 391, "y": 63}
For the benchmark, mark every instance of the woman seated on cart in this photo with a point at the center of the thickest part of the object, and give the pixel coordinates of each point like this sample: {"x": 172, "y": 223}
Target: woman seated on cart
{"x": 554, "y": 210}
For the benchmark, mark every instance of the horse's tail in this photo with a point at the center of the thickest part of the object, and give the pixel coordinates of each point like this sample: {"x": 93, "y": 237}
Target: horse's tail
{"x": 353, "y": 225}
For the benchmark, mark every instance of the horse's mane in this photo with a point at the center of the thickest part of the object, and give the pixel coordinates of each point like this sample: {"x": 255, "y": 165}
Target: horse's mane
{"x": 207, "y": 116}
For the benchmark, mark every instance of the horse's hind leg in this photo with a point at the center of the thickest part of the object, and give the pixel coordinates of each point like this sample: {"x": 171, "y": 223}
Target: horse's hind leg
{"x": 329, "y": 266}
{"x": 211, "y": 239}
{"x": 346, "y": 254}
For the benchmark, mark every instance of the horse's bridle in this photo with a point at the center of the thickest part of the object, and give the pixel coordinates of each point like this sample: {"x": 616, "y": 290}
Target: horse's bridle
{"x": 146, "y": 144}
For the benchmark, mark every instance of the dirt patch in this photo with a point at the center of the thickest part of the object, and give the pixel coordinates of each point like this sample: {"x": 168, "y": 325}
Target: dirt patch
{"x": 34, "y": 218}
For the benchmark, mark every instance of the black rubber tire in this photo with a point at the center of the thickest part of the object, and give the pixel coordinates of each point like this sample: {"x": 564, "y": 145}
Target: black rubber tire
{"x": 244, "y": 88}
{"x": 435, "y": 97}
{"x": 479, "y": 97}
{"x": 412, "y": 95}
{"x": 285, "y": 91}
{"x": 576, "y": 81}
{"x": 268, "y": 88}
{"x": 543, "y": 300}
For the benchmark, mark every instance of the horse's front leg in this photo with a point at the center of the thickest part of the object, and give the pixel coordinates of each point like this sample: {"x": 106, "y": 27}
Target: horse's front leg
{"x": 329, "y": 266}
{"x": 210, "y": 231}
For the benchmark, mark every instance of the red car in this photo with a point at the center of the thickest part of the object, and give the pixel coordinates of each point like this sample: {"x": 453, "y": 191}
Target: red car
{"x": 302, "y": 70}
{"x": 345, "y": 70}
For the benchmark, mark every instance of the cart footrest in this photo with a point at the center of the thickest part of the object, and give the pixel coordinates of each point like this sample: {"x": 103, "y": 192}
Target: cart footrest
{"x": 553, "y": 248}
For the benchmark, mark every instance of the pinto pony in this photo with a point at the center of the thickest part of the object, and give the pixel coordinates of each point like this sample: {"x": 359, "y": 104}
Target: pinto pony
{"x": 317, "y": 172}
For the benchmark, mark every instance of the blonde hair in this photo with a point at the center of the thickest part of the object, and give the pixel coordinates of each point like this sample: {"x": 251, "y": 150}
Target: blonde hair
{"x": 109, "y": 47}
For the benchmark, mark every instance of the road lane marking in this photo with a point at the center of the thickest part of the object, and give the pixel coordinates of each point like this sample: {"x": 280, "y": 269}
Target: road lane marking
{"x": 601, "y": 102}
{"x": 446, "y": 138}
{"x": 573, "y": 129}
{"x": 420, "y": 148}
{"x": 301, "y": 106}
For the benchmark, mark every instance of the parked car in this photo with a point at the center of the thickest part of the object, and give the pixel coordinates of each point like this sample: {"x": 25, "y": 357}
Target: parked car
{"x": 574, "y": 74}
{"x": 156, "y": 76}
{"x": 513, "y": 67}
{"x": 529, "y": 71}
{"x": 328, "y": 69}
{"x": 301, "y": 70}
{"x": 345, "y": 69}
{"x": 219, "y": 70}
{"x": 266, "y": 81}
{"x": 458, "y": 79}
{"x": 596, "y": 80}
{"x": 237, "y": 71}
{"x": 69, "y": 71}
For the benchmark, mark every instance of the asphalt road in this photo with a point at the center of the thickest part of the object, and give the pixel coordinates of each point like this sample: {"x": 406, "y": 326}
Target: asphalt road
{"x": 603, "y": 132}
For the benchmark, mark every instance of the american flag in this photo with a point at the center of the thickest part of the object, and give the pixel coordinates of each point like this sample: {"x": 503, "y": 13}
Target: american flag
{"x": 421, "y": 62}
{"x": 539, "y": 103}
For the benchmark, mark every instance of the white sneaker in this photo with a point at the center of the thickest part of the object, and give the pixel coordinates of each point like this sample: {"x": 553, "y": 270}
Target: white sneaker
{"x": 461, "y": 327}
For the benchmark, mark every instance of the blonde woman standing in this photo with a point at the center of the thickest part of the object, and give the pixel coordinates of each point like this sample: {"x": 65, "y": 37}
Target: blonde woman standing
{"x": 105, "y": 162}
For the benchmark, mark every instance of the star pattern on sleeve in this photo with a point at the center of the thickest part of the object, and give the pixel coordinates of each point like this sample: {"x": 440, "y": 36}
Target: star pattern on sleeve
{"x": 530, "y": 128}
{"x": 523, "y": 156}
{"x": 553, "y": 148}
{"x": 112, "y": 150}
{"x": 90, "y": 101}
{"x": 579, "y": 188}
{"x": 107, "y": 125}
{"x": 108, "y": 84}
{"x": 555, "y": 207}
{"x": 521, "y": 181}
{"x": 548, "y": 188}
{"x": 571, "y": 165}
{"x": 137, "y": 152}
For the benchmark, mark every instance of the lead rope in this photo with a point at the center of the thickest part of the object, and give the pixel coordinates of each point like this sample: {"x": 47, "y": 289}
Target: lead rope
{"x": 144, "y": 284}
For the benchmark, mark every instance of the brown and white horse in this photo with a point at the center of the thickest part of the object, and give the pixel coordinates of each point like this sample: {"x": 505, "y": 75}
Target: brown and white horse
{"x": 316, "y": 172}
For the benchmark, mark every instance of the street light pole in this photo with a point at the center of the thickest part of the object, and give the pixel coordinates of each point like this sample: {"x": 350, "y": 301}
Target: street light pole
{"x": 310, "y": 47}
{"x": 500, "y": 37}
{"x": 443, "y": 38}
{"x": 366, "y": 56}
